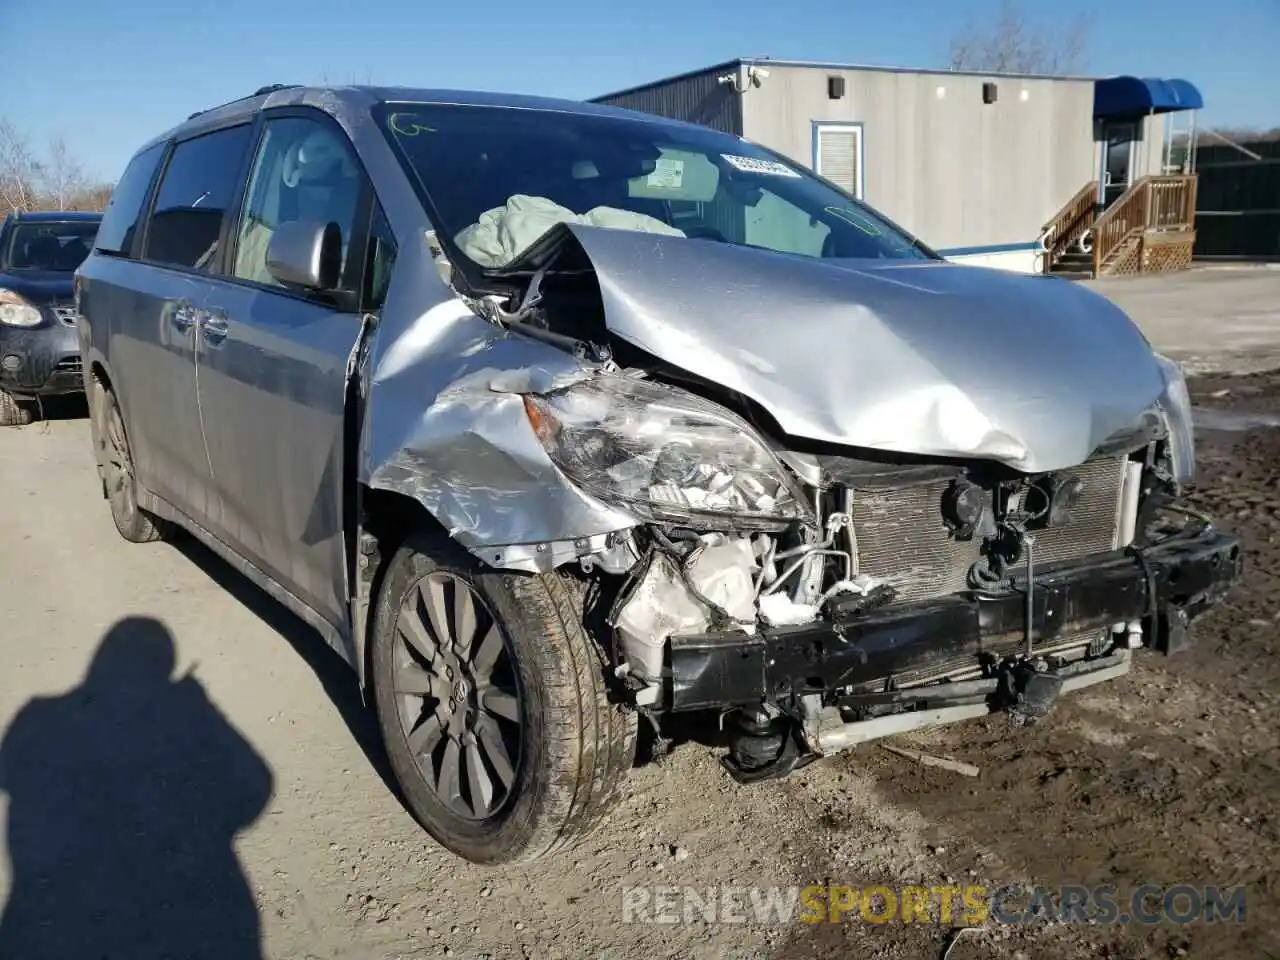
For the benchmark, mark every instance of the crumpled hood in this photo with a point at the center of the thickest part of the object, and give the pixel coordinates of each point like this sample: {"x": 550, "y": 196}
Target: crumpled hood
{"x": 916, "y": 357}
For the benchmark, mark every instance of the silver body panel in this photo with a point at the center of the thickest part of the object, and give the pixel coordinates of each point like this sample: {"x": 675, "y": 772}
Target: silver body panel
{"x": 446, "y": 425}
{"x": 242, "y": 439}
{"x": 135, "y": 314}
{"x": 271, "y": 394}
{"x": 443, "y": 421}
{"x": 915, "y": 357}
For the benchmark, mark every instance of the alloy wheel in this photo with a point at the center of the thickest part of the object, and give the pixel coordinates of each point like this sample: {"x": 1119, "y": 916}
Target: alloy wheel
{"x": 457, "y": 695}
{"x": 119, "y": 465}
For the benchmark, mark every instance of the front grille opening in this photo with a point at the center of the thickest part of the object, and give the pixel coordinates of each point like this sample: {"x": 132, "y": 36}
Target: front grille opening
{"x": 902, "y": 538}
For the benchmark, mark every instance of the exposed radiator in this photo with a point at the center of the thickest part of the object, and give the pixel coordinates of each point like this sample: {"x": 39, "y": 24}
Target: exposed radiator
{"x": 902, "y": 538}
{"x": 1094, "y": 526}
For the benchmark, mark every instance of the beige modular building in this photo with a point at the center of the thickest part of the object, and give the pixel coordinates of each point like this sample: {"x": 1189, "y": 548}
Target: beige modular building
{"x": 979, "y": 166}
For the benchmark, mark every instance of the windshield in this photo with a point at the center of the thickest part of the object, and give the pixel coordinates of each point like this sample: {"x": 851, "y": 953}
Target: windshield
{"x": 57, "y": 245}
{"x": 500, "y": 177}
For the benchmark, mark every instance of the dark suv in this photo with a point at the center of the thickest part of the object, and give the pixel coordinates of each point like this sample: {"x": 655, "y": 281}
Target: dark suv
{"x": 39, "y": 351}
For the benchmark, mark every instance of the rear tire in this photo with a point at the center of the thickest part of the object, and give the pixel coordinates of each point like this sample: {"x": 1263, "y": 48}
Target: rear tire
{"x": 120, "y": 483}
{"x": 13, "y": 412}
{"x": 570, "y": 749}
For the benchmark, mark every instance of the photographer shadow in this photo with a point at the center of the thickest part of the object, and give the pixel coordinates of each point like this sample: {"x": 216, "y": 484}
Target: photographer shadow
{"x": 125, "y": 797}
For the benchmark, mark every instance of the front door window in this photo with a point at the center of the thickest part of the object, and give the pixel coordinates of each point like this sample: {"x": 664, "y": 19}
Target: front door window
{"x": 1118, "y": 160}
{"x": 304, "y": 171}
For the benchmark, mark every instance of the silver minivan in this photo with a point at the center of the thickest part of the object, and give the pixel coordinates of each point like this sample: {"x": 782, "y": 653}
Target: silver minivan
{"x": 557, "y": 420}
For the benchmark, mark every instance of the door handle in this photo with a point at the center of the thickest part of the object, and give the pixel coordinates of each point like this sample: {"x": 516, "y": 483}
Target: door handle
{"x": 214, "y": 328}
{"x": 183, "y": 317}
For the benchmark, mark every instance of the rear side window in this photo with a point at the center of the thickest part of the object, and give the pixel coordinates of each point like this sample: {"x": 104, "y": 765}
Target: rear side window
{"x": 120, "y": 222}
{"x": 197, "y": 188}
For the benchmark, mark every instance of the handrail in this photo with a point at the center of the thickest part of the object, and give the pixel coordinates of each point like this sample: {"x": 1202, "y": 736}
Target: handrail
{"x": 1154, "y": 202}
{"x": 1173, "y": 201}
{"x": 1128, "y": 211}
{"x": 1069, "y": 224}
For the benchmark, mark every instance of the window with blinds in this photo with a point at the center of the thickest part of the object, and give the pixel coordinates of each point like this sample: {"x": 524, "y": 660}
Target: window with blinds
{"x": 839, "y": 155}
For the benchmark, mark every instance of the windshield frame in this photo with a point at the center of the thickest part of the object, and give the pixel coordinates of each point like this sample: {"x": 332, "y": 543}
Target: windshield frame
{"x": 481, "y": 277}
{"x": 19, "y": 225}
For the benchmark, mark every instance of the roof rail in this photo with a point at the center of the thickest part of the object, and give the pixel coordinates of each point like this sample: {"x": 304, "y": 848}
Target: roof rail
{"x": 270, "y": 88}
{"x": 273, "y": 87}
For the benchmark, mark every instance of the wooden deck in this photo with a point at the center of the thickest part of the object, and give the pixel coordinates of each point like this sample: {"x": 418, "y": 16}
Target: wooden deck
{"x": 1150, "y": 228}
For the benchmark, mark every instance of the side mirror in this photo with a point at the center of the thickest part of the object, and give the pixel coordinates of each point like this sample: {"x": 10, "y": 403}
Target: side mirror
{"x": 306, "y": 254}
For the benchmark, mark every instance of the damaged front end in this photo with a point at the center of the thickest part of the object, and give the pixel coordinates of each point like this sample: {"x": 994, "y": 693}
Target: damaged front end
{"x": 824, "y": 604}
{"x": 830, "y": 581}
{"x": 944, "y": 592}
{"x": 820, "y": 600}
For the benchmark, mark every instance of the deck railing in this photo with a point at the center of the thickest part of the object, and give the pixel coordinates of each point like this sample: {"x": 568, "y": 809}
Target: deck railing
{"x": 1166, "y": 203}
{"x": 1069, "y": 224}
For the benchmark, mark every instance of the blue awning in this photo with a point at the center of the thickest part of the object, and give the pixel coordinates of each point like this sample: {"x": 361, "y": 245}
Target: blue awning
{"x": 1138, "y": 96}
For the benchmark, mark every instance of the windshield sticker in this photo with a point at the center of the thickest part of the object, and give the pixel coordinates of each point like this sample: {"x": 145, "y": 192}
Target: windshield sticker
{"x": 667, "y": 175}
{"x": 407, "y": 126}
{"x": 770, "y": 168}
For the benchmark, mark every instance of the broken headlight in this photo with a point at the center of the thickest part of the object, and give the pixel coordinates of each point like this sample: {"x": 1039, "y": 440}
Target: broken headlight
{"x": 663, "y": 454}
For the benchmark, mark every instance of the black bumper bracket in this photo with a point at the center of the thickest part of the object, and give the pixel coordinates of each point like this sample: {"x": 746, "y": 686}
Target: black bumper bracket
{"x": 1172, "y": 581}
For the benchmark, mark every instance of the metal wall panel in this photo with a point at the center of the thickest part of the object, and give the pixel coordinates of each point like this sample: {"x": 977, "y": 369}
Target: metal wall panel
{"x": 955, "y": 171}
{"x": 697, "y": 98}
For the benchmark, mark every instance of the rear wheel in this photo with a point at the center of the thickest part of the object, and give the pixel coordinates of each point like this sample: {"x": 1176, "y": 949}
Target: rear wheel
{"x": 491, "y": 698}
{"x": 13, "y": 411}
{"x": 132, "y": 522}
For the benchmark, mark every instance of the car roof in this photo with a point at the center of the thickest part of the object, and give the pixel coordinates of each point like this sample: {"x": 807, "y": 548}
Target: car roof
{"x": 57, "y": 216}
{"x": 336, "y": 100}
{"x": 523, "y": 101}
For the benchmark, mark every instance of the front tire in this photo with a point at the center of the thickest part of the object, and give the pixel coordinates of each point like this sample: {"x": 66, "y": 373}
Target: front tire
{"x": 121, "y": 486}
{"x": 491, "y": 699}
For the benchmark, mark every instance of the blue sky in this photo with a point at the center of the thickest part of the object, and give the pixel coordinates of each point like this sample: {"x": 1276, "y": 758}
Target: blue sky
{"x": 108, "y": 76}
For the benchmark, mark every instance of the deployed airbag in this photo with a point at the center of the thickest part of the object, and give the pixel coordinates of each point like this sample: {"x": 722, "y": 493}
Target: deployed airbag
{"x": 503, "y": 233}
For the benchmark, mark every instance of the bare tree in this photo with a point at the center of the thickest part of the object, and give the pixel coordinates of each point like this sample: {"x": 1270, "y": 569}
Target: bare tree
{"x": 20, "y": 171}
{"x": 1014, "y": 45}
{"x": 92, "y": 197}
{"x": 63, "y": 176}
{"x": 55, "y": 181}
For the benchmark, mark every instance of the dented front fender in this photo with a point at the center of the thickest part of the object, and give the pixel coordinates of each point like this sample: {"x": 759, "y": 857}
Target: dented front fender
{"x": 445, "y": 424}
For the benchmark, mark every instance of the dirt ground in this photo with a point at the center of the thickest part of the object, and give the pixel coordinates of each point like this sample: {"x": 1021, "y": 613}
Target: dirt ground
{"x": 247, "y": 762}
{"x": 1209, "y": 318}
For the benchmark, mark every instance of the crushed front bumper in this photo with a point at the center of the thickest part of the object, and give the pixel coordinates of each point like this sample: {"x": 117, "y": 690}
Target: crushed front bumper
{"x": 41, "y": 360}
{"x": 1163, "y": 586}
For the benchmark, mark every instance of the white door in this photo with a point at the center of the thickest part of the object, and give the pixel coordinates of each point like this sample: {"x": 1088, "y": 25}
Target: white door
{"x": 837, "y": 152}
